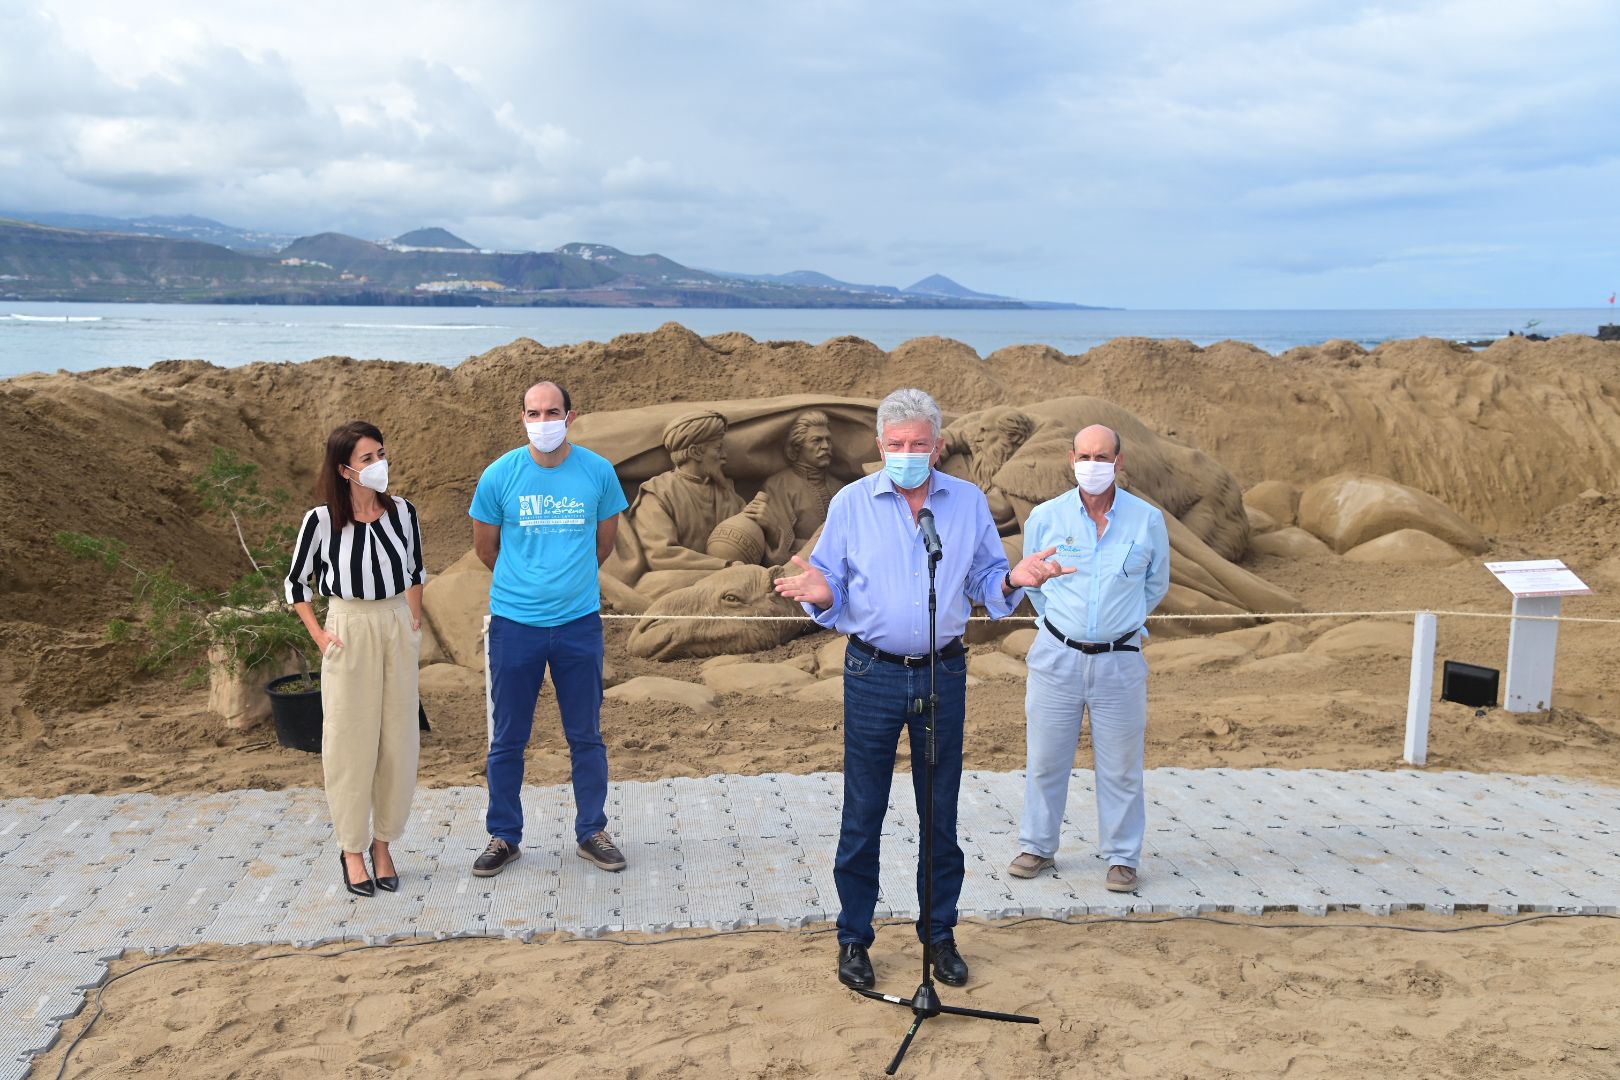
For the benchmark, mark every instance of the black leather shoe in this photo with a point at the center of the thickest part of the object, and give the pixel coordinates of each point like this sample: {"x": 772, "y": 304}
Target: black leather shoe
{"x": 386, "y": 884}
{"x": 359, "y": 888}
{"x": 949, "y": 967}
{"x": 855, "y": 967}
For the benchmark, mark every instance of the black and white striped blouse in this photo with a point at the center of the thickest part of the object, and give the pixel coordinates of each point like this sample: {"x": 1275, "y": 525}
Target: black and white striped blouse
{"x": 362, "y": 561}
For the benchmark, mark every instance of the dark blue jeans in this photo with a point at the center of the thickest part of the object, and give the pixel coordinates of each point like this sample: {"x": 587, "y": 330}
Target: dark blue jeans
{"x": 877, "y": 703}
{"x": 518, "y": 658}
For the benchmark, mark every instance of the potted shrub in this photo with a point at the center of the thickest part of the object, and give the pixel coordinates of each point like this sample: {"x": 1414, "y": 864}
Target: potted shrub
{"x": 236, "y": 638}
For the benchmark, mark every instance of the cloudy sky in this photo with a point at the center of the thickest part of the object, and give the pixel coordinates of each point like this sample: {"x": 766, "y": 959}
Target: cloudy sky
{"x": 1150, "y": 154}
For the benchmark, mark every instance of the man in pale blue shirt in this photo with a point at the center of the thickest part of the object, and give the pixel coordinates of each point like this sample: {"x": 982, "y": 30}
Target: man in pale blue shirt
{"x": 868, "y": 578}
{"x": 1087, "y": 656}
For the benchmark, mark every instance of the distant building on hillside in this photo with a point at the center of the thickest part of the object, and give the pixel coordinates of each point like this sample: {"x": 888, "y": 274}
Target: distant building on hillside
{"x": 460, "y": 286}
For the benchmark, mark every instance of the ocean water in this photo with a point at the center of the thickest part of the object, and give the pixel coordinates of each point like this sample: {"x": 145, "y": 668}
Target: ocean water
{"x": 81, "y": 337}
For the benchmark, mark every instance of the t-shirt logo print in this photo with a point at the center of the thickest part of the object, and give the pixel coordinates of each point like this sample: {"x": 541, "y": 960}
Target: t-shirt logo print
{"x": 548, "y": 511}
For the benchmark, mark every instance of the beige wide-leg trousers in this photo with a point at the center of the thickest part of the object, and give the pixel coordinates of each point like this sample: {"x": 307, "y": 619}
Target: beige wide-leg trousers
{"x": 368, "y": 736}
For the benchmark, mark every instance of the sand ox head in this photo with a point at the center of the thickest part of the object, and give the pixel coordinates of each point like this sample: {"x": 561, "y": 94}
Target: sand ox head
{"x": 736, "y": 590}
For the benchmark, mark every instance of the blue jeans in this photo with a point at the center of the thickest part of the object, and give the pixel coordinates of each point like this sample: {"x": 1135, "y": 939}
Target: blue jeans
{"x": 518, "y": 657}
{"x": 877, "y": 704}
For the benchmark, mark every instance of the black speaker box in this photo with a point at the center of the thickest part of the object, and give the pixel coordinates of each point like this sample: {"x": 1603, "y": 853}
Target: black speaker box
{"x": 1469, "y": 684}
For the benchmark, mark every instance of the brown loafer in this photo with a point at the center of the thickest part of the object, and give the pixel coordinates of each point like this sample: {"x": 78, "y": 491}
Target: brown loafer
{"x": 1029, "y": 865}
{"x": 1120, "y": 879}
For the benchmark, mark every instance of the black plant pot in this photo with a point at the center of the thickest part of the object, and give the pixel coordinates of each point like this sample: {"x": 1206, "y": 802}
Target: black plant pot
{"x": 297, "y": 713}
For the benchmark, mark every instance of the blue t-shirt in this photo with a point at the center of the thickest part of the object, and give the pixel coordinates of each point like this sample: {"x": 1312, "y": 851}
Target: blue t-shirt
{"x": 546, "y": 572}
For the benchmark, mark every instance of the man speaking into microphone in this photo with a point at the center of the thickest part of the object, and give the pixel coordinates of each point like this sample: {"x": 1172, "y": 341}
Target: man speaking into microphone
{"x": 868, "y": 578}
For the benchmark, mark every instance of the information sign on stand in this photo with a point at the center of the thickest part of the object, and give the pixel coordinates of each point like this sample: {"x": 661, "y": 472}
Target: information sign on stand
{"x": 1538, "y": 587}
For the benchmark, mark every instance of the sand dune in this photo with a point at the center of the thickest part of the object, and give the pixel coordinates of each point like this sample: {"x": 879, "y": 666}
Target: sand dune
{"x": 1501, "y": 436}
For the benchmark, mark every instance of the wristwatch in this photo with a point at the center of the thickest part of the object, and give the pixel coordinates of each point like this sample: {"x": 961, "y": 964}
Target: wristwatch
{"x": 1007, "y": 578}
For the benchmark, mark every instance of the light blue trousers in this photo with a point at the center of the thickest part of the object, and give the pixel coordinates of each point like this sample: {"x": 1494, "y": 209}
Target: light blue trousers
{"x": 1063, "y": 685}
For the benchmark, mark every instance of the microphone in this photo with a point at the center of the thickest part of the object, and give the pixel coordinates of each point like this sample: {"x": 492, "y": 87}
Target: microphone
{"x": 925, "y": 519}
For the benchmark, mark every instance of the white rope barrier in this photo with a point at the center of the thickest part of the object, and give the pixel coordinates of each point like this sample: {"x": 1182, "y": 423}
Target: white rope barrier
{"x": 1401, "y": 613}
{"x": 1423, "y": 646}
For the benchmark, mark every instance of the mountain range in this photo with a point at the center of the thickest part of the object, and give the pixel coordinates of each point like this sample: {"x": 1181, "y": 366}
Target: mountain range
{"x": 197, "y": 260}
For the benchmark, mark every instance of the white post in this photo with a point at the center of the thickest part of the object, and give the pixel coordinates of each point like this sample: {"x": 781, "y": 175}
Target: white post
{"x": 1532, "y": 650}
{"x": 489, "y": 688}
{"x": 1422, "y": 688}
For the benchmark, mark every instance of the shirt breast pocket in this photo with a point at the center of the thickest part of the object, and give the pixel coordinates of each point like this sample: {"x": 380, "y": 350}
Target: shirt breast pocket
{"x": 1134, "y": 563}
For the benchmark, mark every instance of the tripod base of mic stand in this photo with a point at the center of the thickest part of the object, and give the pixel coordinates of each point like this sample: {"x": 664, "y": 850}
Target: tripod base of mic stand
{"x": 924, "y": 1005}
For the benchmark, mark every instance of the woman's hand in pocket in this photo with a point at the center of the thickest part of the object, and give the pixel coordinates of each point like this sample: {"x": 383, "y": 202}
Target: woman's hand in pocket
{"x": 326, "y": 641}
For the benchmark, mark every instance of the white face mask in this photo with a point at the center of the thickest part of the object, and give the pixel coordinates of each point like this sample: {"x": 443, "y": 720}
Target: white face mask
{"x": 547, "y": 435}
{"x": 1094, "y": 477}
{"x": 374, "y": 476}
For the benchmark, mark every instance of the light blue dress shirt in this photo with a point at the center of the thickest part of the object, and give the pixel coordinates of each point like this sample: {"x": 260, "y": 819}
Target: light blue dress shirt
{"x": 872, "y": 555}
{"x": 1119, "y": 577}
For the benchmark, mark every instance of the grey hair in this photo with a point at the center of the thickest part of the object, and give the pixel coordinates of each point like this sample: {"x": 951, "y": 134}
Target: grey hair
{"x": 906, "y": 405}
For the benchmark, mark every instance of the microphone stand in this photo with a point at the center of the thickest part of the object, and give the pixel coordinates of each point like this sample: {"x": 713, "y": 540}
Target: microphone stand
{"x": 925, "y": 1003}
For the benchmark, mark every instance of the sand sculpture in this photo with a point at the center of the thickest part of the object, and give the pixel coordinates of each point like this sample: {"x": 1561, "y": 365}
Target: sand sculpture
{"x": 1349, "y": 509}
{"x": 781, "y": 453}
{"x": 1363, "y": 517}
{"x": 799, "y": 450}
{"x": 1019, "y": 456}
{"x": 722, "y": 493}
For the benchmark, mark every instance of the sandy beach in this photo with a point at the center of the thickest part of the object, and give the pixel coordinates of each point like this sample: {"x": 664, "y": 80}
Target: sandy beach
{"x": 1275, "y": 996}
{"x": 1521, "y": 440}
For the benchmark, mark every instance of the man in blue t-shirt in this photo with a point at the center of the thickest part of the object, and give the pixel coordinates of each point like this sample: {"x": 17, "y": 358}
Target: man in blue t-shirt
{"x": 544, "y": 518}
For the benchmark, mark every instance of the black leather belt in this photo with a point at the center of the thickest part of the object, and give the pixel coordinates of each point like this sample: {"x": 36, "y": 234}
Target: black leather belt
{"x": 1091, "y": 648}
{"x": 953, "y": 647}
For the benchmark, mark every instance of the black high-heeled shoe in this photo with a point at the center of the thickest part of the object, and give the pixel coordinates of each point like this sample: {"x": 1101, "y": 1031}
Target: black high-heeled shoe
{"x": 386, "y": 884}
{"x": 358, "y": 888}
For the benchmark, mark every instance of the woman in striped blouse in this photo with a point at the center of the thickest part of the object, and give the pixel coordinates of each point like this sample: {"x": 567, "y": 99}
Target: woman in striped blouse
{"x": 363, "y": 549}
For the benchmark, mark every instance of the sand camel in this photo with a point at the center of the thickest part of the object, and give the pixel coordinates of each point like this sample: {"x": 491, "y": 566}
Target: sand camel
{"x": 736, "y": 590}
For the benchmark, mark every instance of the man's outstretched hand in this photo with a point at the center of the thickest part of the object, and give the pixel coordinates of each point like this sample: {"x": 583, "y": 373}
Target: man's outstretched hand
{"x": 1035, "y": 570}
{"x": 809, "y": 586}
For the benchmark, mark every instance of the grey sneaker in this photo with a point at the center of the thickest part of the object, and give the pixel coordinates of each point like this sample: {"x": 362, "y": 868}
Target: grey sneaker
{"x": 495, "y": 858}
{"x": 598, "y": 850}
{"x": 1028, "y": 865}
